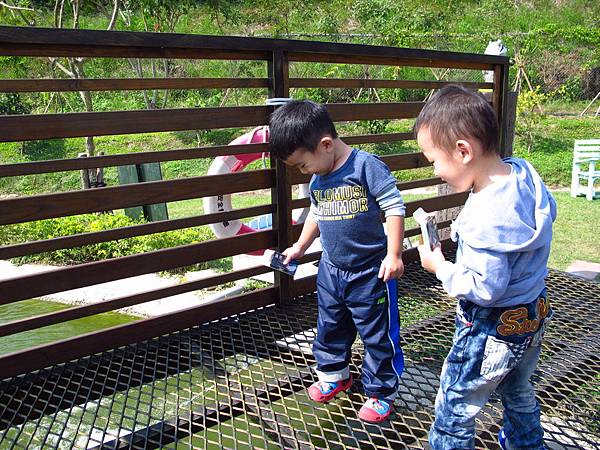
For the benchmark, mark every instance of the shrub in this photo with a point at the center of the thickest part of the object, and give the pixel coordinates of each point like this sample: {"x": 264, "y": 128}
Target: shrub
{"x": 65, "y": 226}
{"x": 11, "y": 103}
{"x": 529, "y": 114}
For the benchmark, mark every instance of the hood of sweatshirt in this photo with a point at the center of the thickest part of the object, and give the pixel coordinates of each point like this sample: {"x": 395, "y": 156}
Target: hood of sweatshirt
{"x": 513, "y": 215}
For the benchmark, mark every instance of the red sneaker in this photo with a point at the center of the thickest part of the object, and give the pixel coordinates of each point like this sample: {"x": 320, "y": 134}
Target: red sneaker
{"x": 375, "y": 410}
{"x": 323, "y": 391}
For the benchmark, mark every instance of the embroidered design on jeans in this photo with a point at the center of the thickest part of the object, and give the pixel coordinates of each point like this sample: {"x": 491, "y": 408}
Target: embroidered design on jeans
{"x": 516, "y": 321}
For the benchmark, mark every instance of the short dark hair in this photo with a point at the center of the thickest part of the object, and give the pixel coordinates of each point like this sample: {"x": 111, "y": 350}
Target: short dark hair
{"x": 298, "y": 124}
{"x": 455, "y": 112}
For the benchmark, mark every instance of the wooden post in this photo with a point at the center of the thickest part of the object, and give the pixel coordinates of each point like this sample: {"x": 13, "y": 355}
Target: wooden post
{"x": 152, "y": 172}
{"x": 128, "y": 175}
{"x": 138, "y": 174}
{"x": 509, "y": 123}
{"x": 100, "y": 174}
{"x": 84, "y": 174}
{"x": 446, "y": 214}
{"x": 499, "y": 102}
{"x": 282, "y": 192}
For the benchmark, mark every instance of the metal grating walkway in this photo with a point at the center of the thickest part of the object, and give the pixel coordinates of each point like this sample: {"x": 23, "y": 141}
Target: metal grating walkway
{"x": 240, "y": 383}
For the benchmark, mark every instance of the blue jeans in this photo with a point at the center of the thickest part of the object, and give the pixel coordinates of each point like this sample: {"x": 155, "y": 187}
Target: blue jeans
{"x": 494, "y": 349}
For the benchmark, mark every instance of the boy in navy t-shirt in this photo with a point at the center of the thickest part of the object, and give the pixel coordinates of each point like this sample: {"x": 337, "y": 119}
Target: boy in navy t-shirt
{"x": 349, "y": 190}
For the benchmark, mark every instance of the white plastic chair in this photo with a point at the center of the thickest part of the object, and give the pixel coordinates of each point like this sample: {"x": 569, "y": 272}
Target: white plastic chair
{"x": 586, "y": 154}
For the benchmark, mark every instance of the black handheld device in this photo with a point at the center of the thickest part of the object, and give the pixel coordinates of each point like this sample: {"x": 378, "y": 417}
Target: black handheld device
{"x": 275, "y": 260}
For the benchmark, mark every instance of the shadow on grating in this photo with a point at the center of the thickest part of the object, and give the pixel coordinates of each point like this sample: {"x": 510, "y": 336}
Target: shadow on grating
{"x": 240, "y": 383}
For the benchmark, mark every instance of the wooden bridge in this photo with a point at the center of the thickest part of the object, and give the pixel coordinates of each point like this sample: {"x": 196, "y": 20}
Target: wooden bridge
{"x": 232, "y": 373}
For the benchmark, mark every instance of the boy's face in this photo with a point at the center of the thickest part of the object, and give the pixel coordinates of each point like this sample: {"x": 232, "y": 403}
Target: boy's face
{"x": 319, "y": 162}
{"x": 450, "y": 165}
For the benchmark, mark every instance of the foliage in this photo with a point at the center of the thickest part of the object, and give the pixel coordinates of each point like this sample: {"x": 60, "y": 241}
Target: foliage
{"x": 66, "y": 226}
{"x": 529, "y": 114}
{"x": 12, "y": 103}
{"x": 159, "y": 15}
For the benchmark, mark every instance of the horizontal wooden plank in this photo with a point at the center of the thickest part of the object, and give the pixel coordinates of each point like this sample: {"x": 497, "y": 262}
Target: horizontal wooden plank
{"x": 410, "y": 255}
{"x": 65, "y": 315}
{"x": 109, "y": 43}
{"x": 343, "y": 112}
{"x": 417, "y": 230}
{"x": 437, "y": 203}
{"x": 300, "y": 203}
{"x": 127, "y": 84}
{"x": 388, "y": 60}
{"x": 87, "y": 344}
{"x": 62, "y": 165}
{"x": 374, "y": 83}
{"x": 25, "y": 209}
{"x": 49, "y": 126}
{"x": 59, "y": 243}
{"x": 406, "y": 185}
{"x": 67, "y": 278}
{"x": 404, "y": 161}
{"x": 309, "y": 257}
{"x": 377, "y": 138}
{"x": 94, "y": 51}
{"x": 303, "y": 286}
{"x": 411, "y": 232}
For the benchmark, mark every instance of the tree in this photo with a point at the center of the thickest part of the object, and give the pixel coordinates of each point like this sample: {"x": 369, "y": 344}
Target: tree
{"x": 75, "y": 67}
{"x": 17, "y": 12}
{"x": 157, "y": 16}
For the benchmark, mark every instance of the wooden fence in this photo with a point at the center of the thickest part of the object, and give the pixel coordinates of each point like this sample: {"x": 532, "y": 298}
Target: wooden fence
{"x": 278, "y": 55}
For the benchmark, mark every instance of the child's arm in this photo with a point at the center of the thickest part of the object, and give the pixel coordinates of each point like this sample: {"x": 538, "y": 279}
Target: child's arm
{"x": 310, "y": 231}
{"x": 391, "y": 203}
{"x": 481, "y": 278}
{"x": 393, "y": 266}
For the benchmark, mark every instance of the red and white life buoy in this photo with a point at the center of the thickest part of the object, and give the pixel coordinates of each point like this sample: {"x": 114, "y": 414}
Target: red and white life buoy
{"x": 237, "y": 163}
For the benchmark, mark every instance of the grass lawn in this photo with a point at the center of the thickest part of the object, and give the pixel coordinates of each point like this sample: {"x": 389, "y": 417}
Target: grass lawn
{"x": 575, "y": 231}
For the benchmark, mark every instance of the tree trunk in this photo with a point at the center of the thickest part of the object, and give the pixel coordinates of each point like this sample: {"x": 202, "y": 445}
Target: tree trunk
{"x": 89, "y": 105}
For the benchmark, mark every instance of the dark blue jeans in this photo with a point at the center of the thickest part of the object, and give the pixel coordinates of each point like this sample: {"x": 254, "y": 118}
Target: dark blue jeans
{"x": 351, "y": 302}
{"x": 494, "y": 349}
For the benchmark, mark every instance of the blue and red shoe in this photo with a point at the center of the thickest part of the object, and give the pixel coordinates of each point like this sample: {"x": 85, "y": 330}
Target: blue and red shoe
{"x": 323, "y": 391}
{"x": 502, "y": 438}
{"x": 375, "y": 410}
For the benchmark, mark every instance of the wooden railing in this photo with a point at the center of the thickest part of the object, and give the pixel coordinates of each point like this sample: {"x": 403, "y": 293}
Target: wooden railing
{"x": 277, "y": 54}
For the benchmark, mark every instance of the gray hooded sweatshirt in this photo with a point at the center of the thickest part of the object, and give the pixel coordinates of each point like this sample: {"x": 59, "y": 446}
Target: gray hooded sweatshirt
{"x": 504, "y": 233}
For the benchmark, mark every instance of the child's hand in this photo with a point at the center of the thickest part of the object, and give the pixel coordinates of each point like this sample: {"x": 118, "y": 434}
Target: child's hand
{"x": 391, "y": 267}
{"x": 293, "y": 252}
{"x": 431, "y": 259}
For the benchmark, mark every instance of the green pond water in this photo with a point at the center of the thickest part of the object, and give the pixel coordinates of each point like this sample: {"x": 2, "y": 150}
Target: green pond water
{"x": 29, "y": 308}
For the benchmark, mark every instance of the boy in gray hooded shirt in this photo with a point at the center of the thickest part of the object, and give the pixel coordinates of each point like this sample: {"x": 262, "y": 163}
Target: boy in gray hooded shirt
{"x": 504, "y": 233}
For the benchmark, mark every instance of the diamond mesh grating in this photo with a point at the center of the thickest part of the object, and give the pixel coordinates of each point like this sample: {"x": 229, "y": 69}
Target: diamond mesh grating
{"x": 240, "y": 383}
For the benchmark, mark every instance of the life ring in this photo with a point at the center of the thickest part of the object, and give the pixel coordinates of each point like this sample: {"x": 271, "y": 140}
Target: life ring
{"x": 222, "y": 202}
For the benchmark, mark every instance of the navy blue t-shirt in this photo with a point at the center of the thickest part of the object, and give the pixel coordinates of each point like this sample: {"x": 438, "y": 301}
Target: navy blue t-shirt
{"x": 348, "y": 216}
